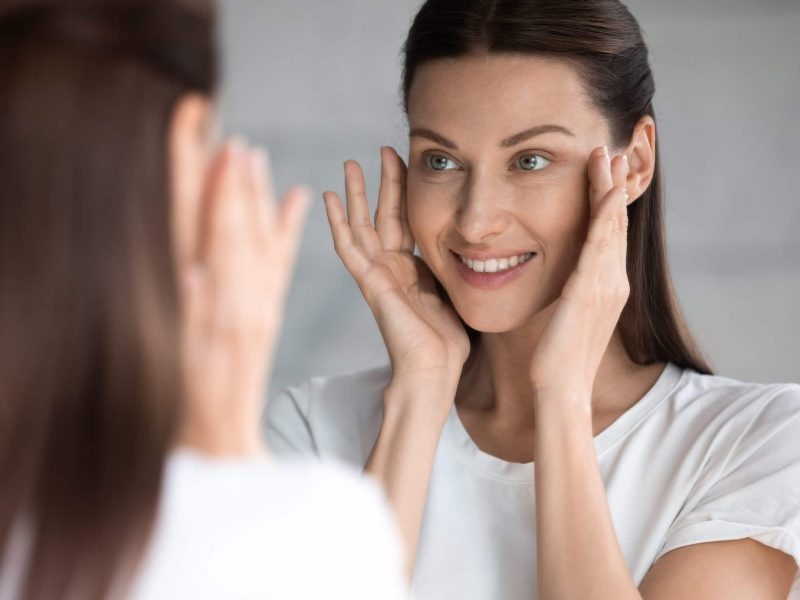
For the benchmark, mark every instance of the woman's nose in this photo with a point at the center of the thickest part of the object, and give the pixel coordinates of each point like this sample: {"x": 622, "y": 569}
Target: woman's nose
{"x": 481, "y": 214}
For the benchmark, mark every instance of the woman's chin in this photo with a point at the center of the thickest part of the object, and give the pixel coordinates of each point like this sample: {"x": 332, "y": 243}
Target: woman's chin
{"x": 492, "y": 323}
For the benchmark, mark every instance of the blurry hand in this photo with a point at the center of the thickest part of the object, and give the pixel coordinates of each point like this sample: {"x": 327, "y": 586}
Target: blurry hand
{"x": 232, "y": 296}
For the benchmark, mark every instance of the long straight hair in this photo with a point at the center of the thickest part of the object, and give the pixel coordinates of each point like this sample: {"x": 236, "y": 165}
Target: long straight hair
{"x": 90, "y": 389}
{"x": 604, "y": 43}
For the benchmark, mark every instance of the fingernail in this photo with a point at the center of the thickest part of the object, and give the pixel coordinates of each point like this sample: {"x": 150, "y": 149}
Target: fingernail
{"x": 625, "y": 158}
{"x": 191, "y": 279}
{"x": 255, "y": 160}
{"x": 238, "y": 148}
{"x": 605, "y": 150}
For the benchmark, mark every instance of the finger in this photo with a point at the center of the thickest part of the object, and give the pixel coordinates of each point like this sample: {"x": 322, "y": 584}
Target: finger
{"x": 408, "y": 237}
{"x": 358, "y": 209}
{"x": 344, "y": 241}
{"x": 228, "y": 217}
{"x": 606, "y": 233}
{"x": 194, "y": 299}
{"x": 291, "y": 219}
{"x": 264, "y": 188}
{"x": 388, "y": 219}
{"x": 258, "y": 220}
{"x": 619, "y": 171}
{"x": 623, "y": 238}
{"x": 211, "y": 187}
{"x": 600, "y": 179}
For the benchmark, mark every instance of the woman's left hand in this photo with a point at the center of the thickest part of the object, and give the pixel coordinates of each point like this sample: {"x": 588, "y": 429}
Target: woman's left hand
{"x": 584, "y": 317}
{"x": 232, "y": 292}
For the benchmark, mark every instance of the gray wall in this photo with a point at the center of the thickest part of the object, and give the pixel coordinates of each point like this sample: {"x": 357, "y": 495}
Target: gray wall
{"x": 317, "y": 82}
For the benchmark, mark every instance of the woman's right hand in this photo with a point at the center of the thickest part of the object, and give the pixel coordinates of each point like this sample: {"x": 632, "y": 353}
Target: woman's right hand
{"x": 426, "y": 342}
{"x": 423, "y": 335}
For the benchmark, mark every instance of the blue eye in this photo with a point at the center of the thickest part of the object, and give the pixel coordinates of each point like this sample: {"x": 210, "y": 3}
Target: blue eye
{"x": 531, "y": 162}
{"x": 439, "y": 162}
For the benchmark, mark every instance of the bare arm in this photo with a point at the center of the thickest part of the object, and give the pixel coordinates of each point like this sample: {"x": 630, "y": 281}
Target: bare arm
{"x": 578, "y": 553}
{"x": 403, "y": 455}
{"x": 426, "y": 342}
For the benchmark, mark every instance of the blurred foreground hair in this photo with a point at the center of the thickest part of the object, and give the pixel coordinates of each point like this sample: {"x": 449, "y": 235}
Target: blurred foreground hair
{"x": 90, "y": 390}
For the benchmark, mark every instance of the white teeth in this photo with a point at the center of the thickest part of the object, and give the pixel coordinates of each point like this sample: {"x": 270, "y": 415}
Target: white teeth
{"x": 493, "y": 265}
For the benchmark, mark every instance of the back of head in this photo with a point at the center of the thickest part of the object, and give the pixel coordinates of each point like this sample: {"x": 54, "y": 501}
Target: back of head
{"x": 603, "y": 42}
{"x": 89, "y": 367}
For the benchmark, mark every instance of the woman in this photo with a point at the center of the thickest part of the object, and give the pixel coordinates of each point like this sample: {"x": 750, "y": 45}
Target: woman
{"x": 142, "y": 275}
{"x": 546, "y": 427}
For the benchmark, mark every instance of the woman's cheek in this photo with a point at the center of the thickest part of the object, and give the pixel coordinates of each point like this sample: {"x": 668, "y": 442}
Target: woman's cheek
{"x": 425, "y": 201}
{"x": 413, "y": 205}
{"x": 422, "y": 214}
{"x": 549, "y": 215}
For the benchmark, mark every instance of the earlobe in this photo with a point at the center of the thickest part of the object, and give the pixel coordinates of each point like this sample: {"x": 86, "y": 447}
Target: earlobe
{"x": 641, "y": 157}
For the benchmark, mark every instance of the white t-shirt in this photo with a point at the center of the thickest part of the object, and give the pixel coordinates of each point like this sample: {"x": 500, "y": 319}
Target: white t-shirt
{"x": 236, "y": 530}
{"x": 699, "y": 458}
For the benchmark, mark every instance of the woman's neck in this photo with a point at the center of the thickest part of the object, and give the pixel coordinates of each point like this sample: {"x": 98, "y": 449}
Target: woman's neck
{"x": 495, "y": 394}
{"x": 496, "y": 378}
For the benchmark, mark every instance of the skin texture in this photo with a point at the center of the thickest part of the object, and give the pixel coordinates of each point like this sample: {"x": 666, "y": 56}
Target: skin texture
{"x": 234, "y": 253}
{"x": 549, "y": 372}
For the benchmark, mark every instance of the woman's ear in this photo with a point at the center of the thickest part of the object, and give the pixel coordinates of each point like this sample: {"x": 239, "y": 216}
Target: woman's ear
{"x": 190, "y": 145}
{"x": 641, "y": 157}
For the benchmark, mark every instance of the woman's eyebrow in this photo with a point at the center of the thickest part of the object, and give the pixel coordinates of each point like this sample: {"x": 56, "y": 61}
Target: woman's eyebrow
{"x": 515, "y": 139}
{"x": 532, "y": 132}
{"x": 433, "y": 136}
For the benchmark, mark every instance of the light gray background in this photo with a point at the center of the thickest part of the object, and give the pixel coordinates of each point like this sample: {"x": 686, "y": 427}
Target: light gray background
{"x": 317, "y": 82}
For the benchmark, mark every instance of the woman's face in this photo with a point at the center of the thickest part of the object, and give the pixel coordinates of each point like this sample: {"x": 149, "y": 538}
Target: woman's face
{"x": 499, "y": 148}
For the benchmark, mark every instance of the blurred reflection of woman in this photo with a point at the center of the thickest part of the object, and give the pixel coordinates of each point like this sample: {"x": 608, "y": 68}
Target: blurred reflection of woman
{"x": 546, "y": 427}
{"x": 142, "y": 275}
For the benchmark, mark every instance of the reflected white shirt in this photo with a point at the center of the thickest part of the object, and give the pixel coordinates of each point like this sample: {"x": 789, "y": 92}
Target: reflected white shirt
{"x": 698, "y": 458}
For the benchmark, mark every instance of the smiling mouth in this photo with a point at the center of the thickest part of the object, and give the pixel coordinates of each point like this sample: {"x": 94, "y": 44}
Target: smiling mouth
{"x": 491, "y": 273}
{"x": 495, "y": 265}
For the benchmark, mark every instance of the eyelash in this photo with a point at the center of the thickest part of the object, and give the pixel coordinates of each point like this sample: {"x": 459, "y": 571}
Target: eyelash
{"x": 428, "y": 156}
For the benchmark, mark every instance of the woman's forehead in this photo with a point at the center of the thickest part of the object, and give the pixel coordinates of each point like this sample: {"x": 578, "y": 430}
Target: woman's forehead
{"x": 499, "y": 91}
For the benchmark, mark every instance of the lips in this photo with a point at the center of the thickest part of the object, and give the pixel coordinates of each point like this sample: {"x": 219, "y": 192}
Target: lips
{"x": 497, "y": 271}
{"x": 494, "y": 265}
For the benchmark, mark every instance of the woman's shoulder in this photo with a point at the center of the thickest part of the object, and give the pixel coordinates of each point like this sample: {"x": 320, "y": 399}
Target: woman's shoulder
{"x": 335, "y": 416}
{"x": 258, "y": 490}
{"x": 249, "y": 527}
{"x": 364, "y": 386}
{"x": 301, "y": 481}
{"x": 742, "y": 459}
{"x": 698, "y": 388}
{"x": 750, "y": 412}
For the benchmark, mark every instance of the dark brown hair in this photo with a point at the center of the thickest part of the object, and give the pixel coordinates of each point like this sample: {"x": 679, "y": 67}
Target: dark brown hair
{"x": 90, "y": 384}
{"x": 603, "y": 41}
